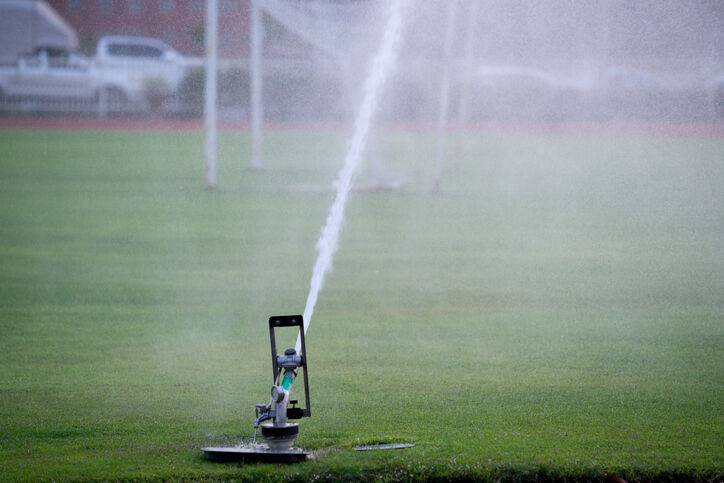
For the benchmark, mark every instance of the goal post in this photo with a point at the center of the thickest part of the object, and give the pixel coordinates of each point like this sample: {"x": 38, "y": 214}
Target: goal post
{"x": 256, "y": 88}
{"x": 210, "y": 94}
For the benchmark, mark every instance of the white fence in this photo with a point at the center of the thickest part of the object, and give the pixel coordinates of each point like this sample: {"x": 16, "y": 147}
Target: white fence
{"x": 63, "y": 105}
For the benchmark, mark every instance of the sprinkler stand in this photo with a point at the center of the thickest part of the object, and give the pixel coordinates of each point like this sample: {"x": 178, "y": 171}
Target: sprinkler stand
{"x": 278, "y": 434}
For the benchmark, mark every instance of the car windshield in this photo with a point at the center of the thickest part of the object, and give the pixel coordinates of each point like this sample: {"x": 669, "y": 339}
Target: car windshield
{"x": 135, "y": 50}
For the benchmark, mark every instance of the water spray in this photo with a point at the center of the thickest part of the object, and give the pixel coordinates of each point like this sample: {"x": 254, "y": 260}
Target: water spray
{"x": 329, "y": 239}
{"x": 279, "y": 434}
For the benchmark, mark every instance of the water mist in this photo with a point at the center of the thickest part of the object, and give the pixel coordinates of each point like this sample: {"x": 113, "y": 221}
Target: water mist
{"x": 329, "y": 239}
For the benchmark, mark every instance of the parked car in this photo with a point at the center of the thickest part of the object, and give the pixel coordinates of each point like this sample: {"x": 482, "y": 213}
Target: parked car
{"x": 55, "y": 79}
{"x": 161, "y": 67}
{"x": 25, "y": 25}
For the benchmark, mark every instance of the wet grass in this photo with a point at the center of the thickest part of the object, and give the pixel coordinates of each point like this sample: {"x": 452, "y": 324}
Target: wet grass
{"x": 554, "y": 312}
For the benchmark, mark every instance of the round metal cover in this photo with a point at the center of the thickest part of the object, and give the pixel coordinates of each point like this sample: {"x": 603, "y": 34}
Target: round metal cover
{"x": 254, "y": 455}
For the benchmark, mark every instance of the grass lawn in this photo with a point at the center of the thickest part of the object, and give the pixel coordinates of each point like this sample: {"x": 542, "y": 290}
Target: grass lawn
{"x": 555, "y": 311}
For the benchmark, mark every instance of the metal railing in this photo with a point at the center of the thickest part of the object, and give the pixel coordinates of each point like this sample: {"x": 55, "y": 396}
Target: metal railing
{"x": 66, "y": 105}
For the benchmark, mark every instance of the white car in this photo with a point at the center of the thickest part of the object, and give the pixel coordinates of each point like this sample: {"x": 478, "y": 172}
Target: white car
{"x": 161, "y": 67}
{"x": 61, "y": 80}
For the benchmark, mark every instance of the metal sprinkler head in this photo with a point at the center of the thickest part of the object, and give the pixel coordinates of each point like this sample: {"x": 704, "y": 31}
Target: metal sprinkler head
{"x": 279, "y": 434}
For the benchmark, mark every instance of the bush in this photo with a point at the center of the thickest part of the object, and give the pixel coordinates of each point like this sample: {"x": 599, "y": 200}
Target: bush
{"x": 232, "y": 90}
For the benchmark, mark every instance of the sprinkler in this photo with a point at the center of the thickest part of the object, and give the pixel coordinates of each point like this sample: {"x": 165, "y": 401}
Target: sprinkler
{"x": 279, "y": 433}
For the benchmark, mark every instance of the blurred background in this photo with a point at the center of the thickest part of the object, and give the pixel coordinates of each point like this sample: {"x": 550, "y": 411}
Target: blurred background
{"x": 524, "y": 61}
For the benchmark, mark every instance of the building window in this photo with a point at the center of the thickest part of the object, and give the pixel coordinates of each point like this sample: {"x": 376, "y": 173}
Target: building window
{"x": 197, "y": 40}
{"x": 87, "y": 41}
{"x": 197, "y": 6}
{"x": 105, "y": 5}
{"x": 136, "y": 6}
{"x": 168, "y": 5}
{"x": 226, "y": 40}
{"x": 72, "y": 4}
{"x": 227, "y": 6}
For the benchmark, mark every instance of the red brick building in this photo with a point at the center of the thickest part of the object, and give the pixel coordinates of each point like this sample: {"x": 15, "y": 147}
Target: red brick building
{"x": 507, "y": 32}
{"x": 180, "y": 23}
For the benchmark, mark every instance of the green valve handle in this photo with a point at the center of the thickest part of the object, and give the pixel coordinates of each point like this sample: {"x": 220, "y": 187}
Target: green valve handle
{"x": 287, "y": 383}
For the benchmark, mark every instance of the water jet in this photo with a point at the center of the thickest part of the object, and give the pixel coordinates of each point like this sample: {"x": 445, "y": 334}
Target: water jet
{"x": 280, "y": 434}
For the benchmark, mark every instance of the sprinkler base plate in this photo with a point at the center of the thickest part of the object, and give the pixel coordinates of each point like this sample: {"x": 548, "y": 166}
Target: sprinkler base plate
{"x": 254, "y": 455}
{"x": 370, "y": 447}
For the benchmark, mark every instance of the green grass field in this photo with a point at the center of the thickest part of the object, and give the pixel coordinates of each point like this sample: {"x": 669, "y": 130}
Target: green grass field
{"x": 556, "y": 311}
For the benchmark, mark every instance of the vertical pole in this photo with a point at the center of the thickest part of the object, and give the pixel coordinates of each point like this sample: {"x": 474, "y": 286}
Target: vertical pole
{"x": 212, "y": 23}
{"x": 257, "y": 107}
{"x": 102, "y": 103}
{"x": 444, "y": 93}
{"x": 596, "y": 100}
{"x": 605, "y": 53}
{"x": 467, "y": 70}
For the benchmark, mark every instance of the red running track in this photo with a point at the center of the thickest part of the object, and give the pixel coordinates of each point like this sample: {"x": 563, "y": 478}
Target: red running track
{"x": 712, "y": 130}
